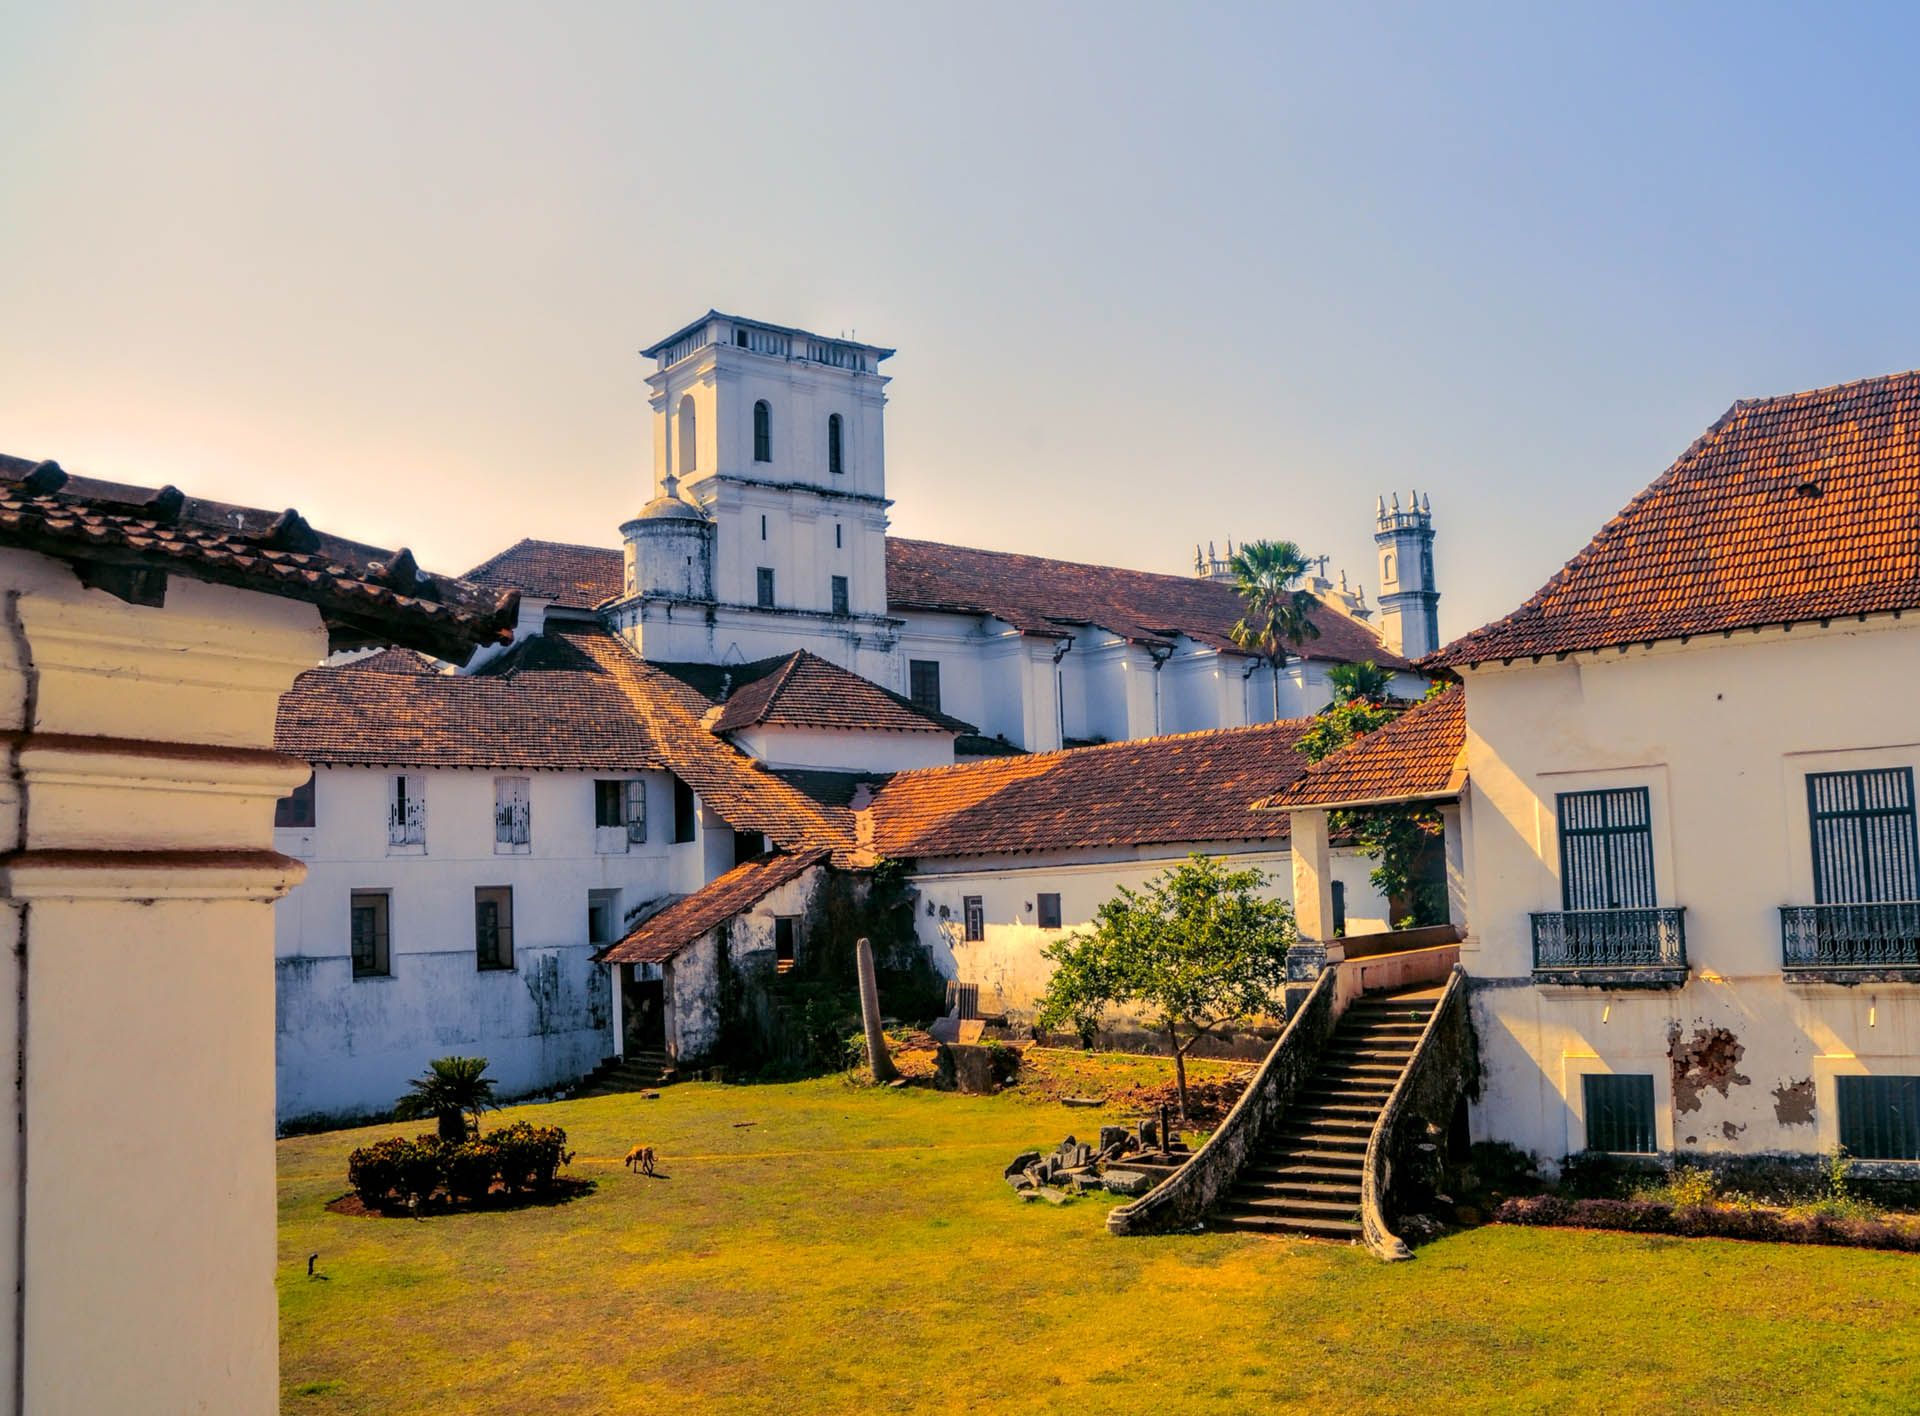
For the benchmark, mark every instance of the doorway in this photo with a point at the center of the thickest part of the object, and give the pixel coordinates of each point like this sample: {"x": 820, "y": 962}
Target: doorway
{"x": 643, "y": 1008}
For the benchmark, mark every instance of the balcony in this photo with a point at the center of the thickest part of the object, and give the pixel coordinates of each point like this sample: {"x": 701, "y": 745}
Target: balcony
{"x": 1851, "y": 943}
{"x": 1611, "y": 948}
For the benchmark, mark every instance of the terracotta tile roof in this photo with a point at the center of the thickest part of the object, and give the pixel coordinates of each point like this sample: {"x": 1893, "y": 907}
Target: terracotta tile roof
{"x": 1416, "y": 757}
{"x": 1037, "y": 595}
{"x": 544, "y": 704}
{"x": 126, "y": 540}
{"x": 581, "y": 576}
{"x": 803, "y": 690}
{"x": 1786, "y": 509}
{"x": 1150, "y": 791}
{"x": 665, "y": 934}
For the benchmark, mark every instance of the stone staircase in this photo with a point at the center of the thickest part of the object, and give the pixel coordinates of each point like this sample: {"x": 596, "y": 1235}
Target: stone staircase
{"x": 1303, "y": 1177}
{"x": 637, "y": 1071}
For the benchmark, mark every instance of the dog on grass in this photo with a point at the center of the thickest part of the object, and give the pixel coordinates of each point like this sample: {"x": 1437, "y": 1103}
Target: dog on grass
{"x": 640, "y": 1160}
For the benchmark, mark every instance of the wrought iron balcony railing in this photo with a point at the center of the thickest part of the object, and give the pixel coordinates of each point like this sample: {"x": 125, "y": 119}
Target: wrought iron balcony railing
{"x": 1877, "y": 936}
{"x": 1575, "y": 940}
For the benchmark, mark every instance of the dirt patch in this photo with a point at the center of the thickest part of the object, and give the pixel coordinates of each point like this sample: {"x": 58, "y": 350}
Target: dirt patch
{"x": 1793, "y": 1103}
{"x": 1710, "y": 1059}
{"x": 563, "y": 1191}
{"x": 1134, "y": 1083}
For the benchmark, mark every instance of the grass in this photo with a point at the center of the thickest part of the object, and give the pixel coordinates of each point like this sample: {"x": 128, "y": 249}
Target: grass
{"x": 857, "y": 1250}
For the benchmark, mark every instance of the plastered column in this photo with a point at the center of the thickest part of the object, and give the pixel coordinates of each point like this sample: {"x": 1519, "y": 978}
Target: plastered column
{"x": 1312, "y": 877}
{"x": 138, "y": 880}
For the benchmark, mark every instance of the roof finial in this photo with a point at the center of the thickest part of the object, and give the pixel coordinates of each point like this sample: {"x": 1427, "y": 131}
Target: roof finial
{"x": 1426, "y": 502}
{"x": 1396, "y": 501}
{"x": 670, "y": 487}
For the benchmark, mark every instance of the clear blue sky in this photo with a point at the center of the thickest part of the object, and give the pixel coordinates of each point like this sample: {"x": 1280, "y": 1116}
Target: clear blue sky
{"x": 1156, "y": 273}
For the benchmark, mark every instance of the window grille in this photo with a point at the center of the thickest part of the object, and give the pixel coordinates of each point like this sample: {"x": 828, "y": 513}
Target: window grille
{"x": 1606, "y": 849}
{"x": 923, "y": 683}
{"x": 974, "y": 916}
{"x": 406, "y": 810}
{"x": 840, "y": 595}
{"x": 1879, "y": 1117}
{"x": 512, "y": 815}
{"x": 764, "y": 584}
{"x": 1863, "y": 836}
{"x": 369, "y": 939}
{"x": 296, "y": 808}
{"x": 1619, "y": 1109}
{"x": 493, "y": 926}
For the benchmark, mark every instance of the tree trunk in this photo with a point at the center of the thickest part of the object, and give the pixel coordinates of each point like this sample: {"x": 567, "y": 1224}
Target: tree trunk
{"x": 877, "y": 1055}
{"x": 1179, "y": 1071}
{"x": 453, "y": 1127}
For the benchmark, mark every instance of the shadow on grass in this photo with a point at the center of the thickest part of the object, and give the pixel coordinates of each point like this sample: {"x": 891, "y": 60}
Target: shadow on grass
{"x": 564, "y": 1190}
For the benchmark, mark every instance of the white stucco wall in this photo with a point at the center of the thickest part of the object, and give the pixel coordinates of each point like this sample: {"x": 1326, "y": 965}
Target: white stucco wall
{"x": 1009, "y": 965}
{"x": 348, "y": 1046}
{"x": 1723, "y": 733}
{"x": 846, "y": 749}
{"x": 692, "y": 977}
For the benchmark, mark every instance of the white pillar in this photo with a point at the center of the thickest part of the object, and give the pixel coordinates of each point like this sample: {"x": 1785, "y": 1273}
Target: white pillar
{"x": 1455, "y": 841}
{"x": 139, "y": 880}
{"x": 619, "y": 1014}
{"x": 1312, "y": 876}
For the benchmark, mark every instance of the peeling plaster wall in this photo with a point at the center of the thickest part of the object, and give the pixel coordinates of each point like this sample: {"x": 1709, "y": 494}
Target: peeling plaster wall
{"x": 347, "y": 1046}
{"x": 1723, "y": 734}
{"x": 1008, "y": 964}
{"x": 693, "y": 976}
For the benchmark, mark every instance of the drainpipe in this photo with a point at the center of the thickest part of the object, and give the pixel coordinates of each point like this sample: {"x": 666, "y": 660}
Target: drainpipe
{"x": 1060, "y": 685}
{"x": 1247, "y": 673}
{"x": 1159, "y": 662}
{"x": 29, "y": 714}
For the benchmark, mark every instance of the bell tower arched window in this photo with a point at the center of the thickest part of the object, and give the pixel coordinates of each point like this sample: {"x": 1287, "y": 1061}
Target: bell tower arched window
{"x": 836, "y": 462}
{"x": 762, "y": 432}
{"x": 687, "y": 434}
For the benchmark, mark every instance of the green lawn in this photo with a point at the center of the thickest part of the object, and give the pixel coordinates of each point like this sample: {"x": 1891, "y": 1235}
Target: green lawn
{"x": 857, "y": 1250}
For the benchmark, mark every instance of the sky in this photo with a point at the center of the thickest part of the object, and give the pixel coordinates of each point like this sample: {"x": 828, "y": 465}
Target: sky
{"x": 1156, "y": 274}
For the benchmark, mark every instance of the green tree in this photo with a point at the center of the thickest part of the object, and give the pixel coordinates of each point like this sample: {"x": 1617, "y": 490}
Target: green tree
{"x": 1198, "y": 947}
{"x": 452, "y": 1089}
{"x": 1359, "y": 681}
{"x": 1277, "y": 610}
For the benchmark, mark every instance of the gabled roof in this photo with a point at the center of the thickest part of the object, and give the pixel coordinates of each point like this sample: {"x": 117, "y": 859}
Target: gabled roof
{"x": 665, "y": 934}
{"x": 578, "y": 576}
{"x": 1041, "y": 596}
{"x": 544, "y": 704}
{"x": 127, "y": 539}
{"x": 1419, "y": 756}
{"x": 1787, "y": 509}
{"x": 1149, "y": 791}
{"x": 803, "y": 690}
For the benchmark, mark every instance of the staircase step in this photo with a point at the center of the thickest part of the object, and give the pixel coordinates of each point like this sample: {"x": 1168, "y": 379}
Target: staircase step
{"x": 1337, "y": 1123}
{"x": 1278, "y": 1224}
{"x": 1346, "y": 1191}
{"x": 1304, "y": 1209}
{"x": 1297, "y": 1169}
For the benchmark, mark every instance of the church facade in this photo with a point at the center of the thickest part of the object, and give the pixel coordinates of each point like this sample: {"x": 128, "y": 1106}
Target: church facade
{"x": 745, "y": 678}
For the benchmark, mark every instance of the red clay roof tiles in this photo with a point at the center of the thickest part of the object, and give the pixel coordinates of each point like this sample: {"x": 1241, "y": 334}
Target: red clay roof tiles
{"x": 803, "y": 690}
{"x": 1150, "y": 791}
{"x": 665, "y": 934}
{"x": 1787, "y": 509}
{"x": 126, "y": 539}
{"x": 580, "y": 576}
{"x": 1413, "y": 758}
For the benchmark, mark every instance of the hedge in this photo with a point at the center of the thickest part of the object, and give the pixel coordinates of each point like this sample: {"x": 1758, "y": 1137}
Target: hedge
{"x": 1708, "y": 1222}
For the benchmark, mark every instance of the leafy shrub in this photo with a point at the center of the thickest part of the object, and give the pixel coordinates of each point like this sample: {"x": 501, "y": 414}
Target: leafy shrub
{"x": 1711, "y": 1221}
{"x": 469, "y": 1168}
{"x": 374, "y": 1170}
{"x": 1692, "y": 1185}
{"x": 529, "y": 1155}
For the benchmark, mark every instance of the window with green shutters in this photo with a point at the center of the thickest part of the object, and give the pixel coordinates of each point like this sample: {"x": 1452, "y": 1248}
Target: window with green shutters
{"x": 1879, "y": 1117}
{"x": 1619, "y": 1110}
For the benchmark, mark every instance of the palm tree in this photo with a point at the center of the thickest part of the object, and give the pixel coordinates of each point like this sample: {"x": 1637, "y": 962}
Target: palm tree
{"x": 1364, "y": 680}
{"x": 1264, "y": 572}
{"x": 452, "y": 1088}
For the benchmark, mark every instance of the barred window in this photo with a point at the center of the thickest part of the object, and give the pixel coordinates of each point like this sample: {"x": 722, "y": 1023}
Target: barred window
{"x": 1879, "y": 1117}
{"x": 493, "y": 926}
{"x": 974, "y": 918}
{"x": 762, "y": 432}
{"x": 1619, "y": 1110}
{"x": 368, "y": 937}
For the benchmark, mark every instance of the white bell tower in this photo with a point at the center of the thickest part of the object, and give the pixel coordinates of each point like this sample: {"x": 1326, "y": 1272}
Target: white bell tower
{"x": 775, "y": 436}
{"x": 1409, "y": 597}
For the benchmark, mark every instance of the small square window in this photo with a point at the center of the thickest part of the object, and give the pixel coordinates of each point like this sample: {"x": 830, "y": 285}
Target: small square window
{"x": 1619, "y": 1110}
{"x": 840, "y": 595}
{"x": 493, "y": 926}
{"x": 763, "y": 578}
{"x": 296, "y": 808}
{"x": 1047, "y": 907}
{"x": 603, "y": 916}
{"x": 369, "y": 938}
{"x": 974, "y": 914}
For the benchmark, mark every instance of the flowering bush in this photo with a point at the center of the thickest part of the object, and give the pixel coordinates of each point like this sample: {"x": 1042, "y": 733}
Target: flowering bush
{"x": 530, "y": 1155}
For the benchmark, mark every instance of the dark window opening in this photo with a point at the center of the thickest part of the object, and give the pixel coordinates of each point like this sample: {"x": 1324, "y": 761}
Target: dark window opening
{"x": 762, "y": 432}
{"x": 973, "y": 913}
{"x": 763, "y": 577}
{"x": 1339, "y": 909}
{"x": 493, "y": 926}
{"x": 747, "y": 845}
{"x": 369, "y": 936}
{"x": 923, "y": 683}
{"x": 603, "y": 916}
{"x": 785, "y": 928}
{"x": 1048, "y": 908}
{"x": 685, "y": 813}
{"x": 840, "y": 599}
{"x": 837, "y": 545}
{"x": 1879, "y": 1117}
{"x": 836, "y": 462}
{"x": 1606, "y": 850}
{"x": 1619, "y": 1110}
{"x": 1863, "y": 836}
{"x": 763, "y": 526}
{"x": 740, "y": 338}
{"x": 609, "y": 803}
{"x": 296, "y": 808}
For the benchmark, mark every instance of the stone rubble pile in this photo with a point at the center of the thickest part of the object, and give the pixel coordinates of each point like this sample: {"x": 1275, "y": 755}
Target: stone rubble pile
{"x": 1076, "y": 1167}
